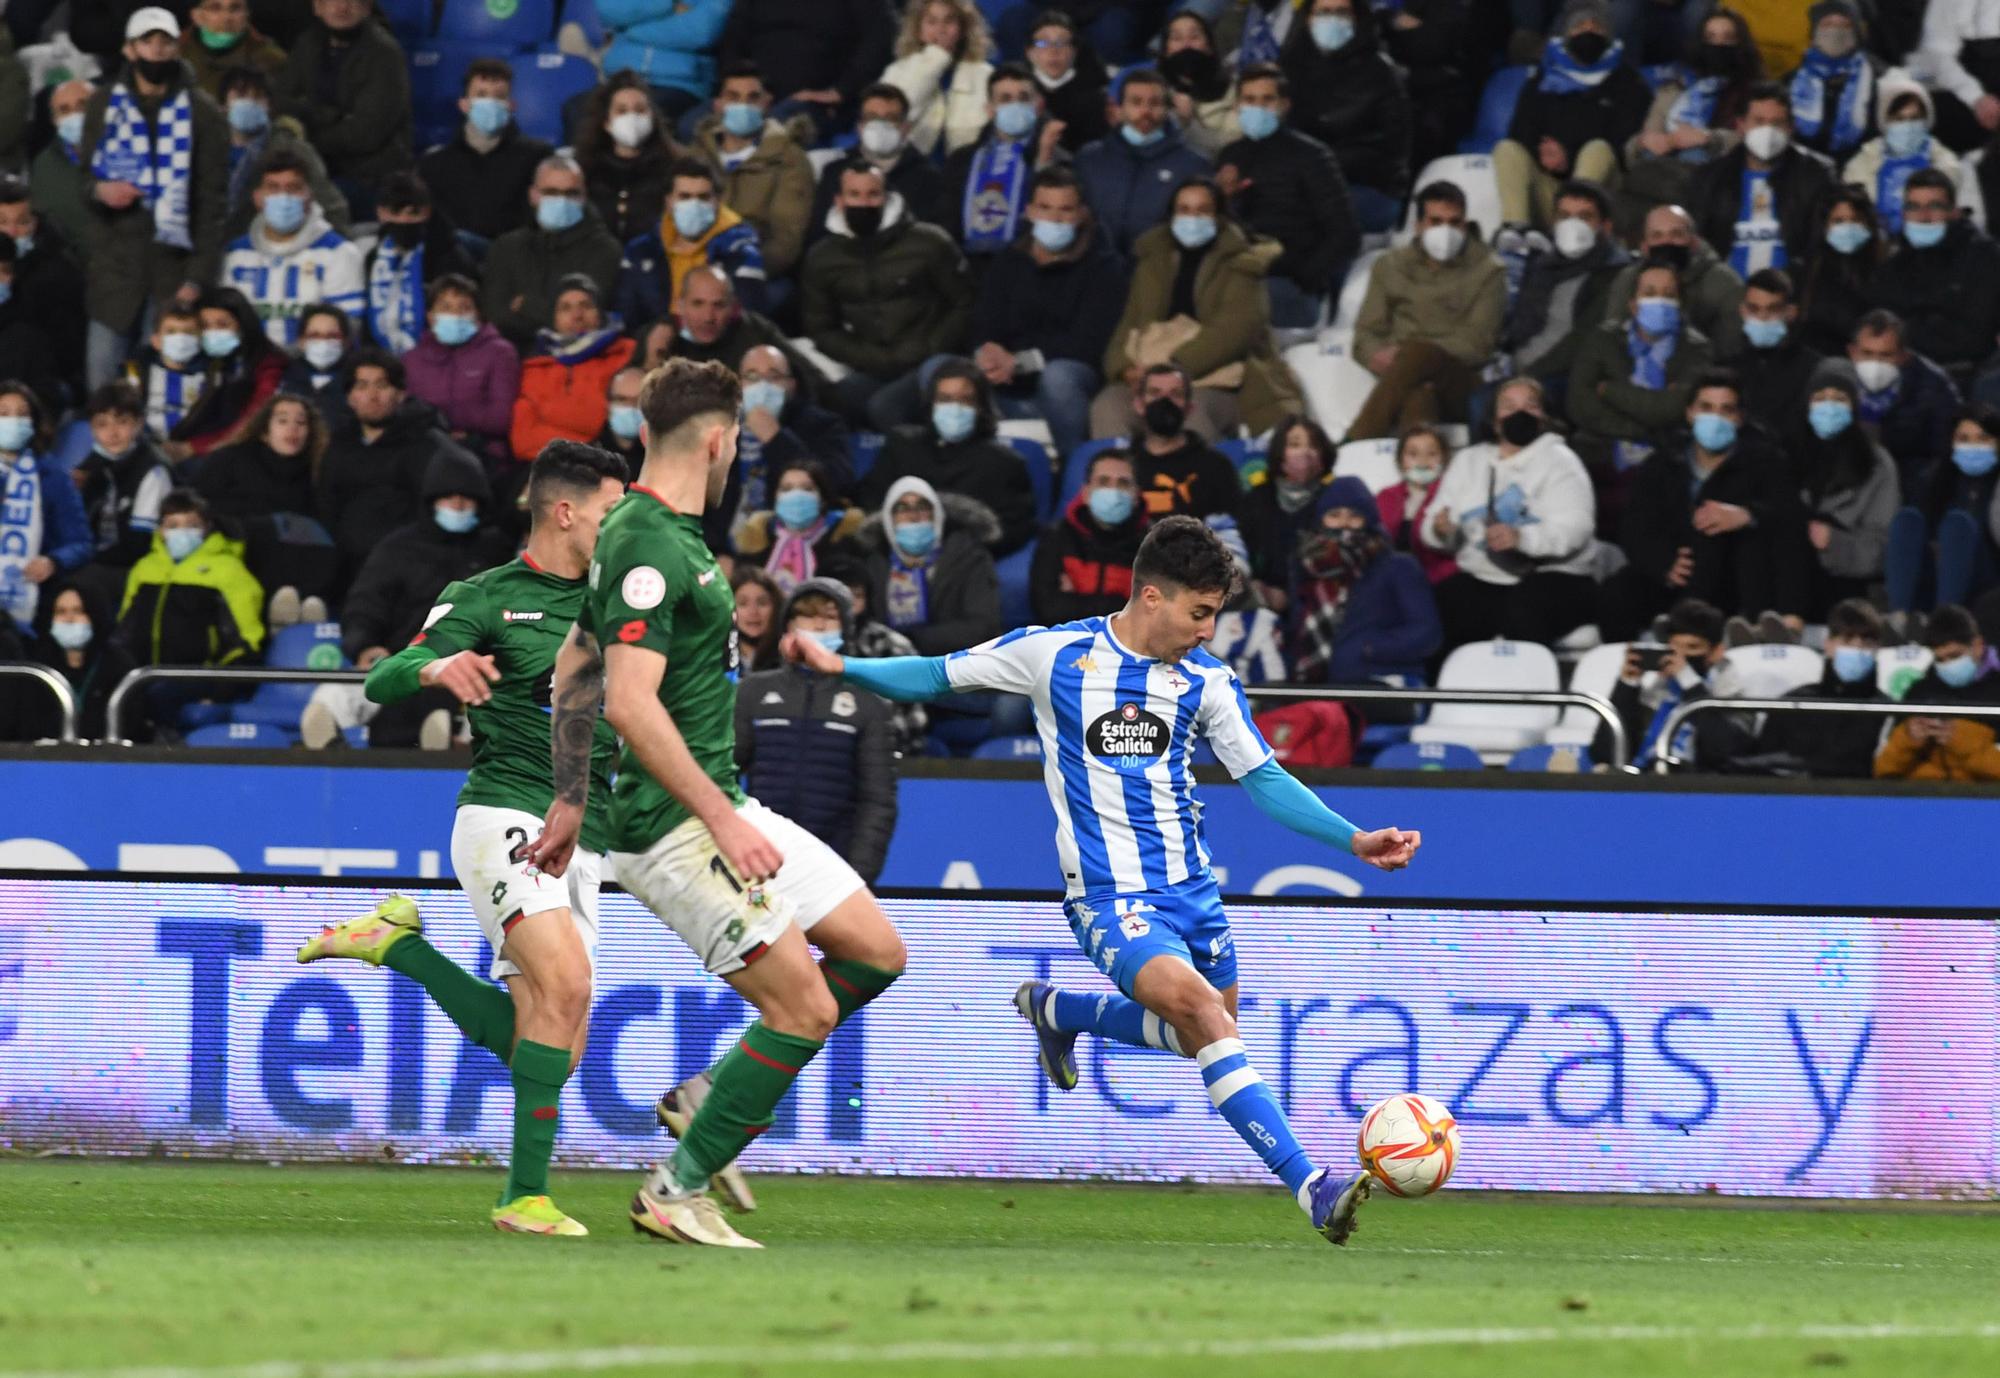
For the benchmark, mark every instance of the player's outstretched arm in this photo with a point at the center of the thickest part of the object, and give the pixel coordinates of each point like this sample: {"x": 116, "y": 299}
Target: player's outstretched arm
{"x": 1279, "y": 795}
{"x": 900, "y": 679}
{"x": 574, "y": 697}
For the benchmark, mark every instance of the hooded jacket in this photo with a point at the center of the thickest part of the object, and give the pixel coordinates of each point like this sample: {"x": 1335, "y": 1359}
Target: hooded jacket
{"x": 528, "y": 263}
{"x": 1865, "y": 167}
{"x": 1711, "y": 297}
{"x": 367, "y": 490}
{"x": 204, "y": 610}
{"x": 653, "y": 269}
{"x": 819, "y": 750}
{"x": 772, "y": 188}
{"x": 1949, "y": 297}
{"x": 1130, "y": 190}
{"x": 1297, "y": 195}
{"x": 1390, "y": 623}
{"x": 961, "y": 588}
{"x": 1352, "y": 100}
{"x": 981, "y": 467}
{"x": 1457, "y": 305}
{"x": 1542, "y": 490}
{"x": 484, "y": 192}
{"x": 1081, "y": 567}
{"x": 884, "y": 304}
{"x": 927, "y": 192}
{"x": 1232, "y": 308}
{"x": 566, "y": 396}
{"x": 472, "y": 385}
{"x": 357, "y": 113}
{"x": 282, "y": 279}
{"x": 410, "y": 565}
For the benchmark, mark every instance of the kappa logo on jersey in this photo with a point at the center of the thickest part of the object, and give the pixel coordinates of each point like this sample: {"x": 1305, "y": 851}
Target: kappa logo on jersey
{"x": 507, "y": 616}
{"x": 1085, "y": 663}
{"x": 1129, "y": 738}
{"x": 644, "y": 588}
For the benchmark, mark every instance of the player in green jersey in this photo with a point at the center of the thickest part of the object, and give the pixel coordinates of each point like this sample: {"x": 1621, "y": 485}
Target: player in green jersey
{"x": 492, "y": 641}
{"x": 741, "y": 885}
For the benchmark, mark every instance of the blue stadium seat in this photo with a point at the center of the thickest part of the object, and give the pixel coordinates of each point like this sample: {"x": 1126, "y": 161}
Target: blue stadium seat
{"x": 1016, "y": 609}
{"x": 863, "y": 449}
{"x": 437, "y": 80}
{"x": 242, "y": 734}
{"x": 1560, "y": 758}
{"x": 1429, "y": 756}
{"x": 410, "y": 20}
{"x": 499, "y": 26}
{"x": 1079, "y": 465}
{"x": 308, "y": 646}
{"x": 72, "y": 443}
{"x": 543, "y": 82}
{"x": 583, "y": 14}
{"x": 1496, "y": 110}
{"x": 1040, "y": 475}
{"x": 1242, "y": 453}
{"x": 1022, "y": 748}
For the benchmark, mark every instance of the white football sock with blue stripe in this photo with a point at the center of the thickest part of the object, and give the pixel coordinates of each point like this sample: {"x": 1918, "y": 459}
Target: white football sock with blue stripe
{"x": 1235, "y": 1089}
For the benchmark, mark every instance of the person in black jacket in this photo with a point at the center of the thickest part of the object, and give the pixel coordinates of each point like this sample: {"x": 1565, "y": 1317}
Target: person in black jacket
{"x": 1565, "y": 289}
{"x": 348, "y": 84}
{"x": 261, "y": 488}
{"x": 123, "y": 479}
{"x": 814, "y": 55}
{"x": 48, "y": 284}
{"x": 623, "y": 145}
{"x": 74, "y": 637}
{"x": 1908, "y": 399}
{"x": 1046, "y": 309}
{"x": 1429, "y": 40}
{"x": 1712, "y": 518}
{"x": 820, "y": 751}
{"x": 1349, "y": 95}
{"x": 1943, "y": 543}
{"x": 988, "y": 183}
{"x": 1070, "y": 76}
{"x": 326, "y": 338}
{"x": 419, "y": 245}
{"x": 957, "y": 450}
{"x": 883, "y": 139}
{"x": 1775, "y": 364}
{"x": 1832, "y": 746}
{"x": 1083, "y": 562}
{"x": 1944, "y": 281}
{"x": 781, "y": 426}
{"x": 1288, "y": 186}
{"x": 1841, "y": 262}
{"x": 1581, "y": 103}
{"x": 1299, "y": 462}
{"x": 481, "y": 177}
{"x": 1784, "y": 185}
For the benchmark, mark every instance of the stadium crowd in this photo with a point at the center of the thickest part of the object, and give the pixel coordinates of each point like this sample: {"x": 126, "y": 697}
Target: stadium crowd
{"x": 1574, "y": 323}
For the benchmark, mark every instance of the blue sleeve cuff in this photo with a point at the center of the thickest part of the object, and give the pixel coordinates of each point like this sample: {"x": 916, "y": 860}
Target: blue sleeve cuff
{"x": 1283, "y": 799}
{"x": 901, "y": 679}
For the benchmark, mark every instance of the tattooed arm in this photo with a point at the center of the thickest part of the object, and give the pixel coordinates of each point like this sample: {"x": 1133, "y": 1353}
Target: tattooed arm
{"x": 579, "y": 688}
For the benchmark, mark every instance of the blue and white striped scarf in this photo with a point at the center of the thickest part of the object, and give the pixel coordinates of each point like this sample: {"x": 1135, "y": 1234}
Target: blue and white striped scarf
{"x": 395, "y": 309}
{"x": 1889, "y": 184}
{"x": 1649, "y": 371}
{"x": 170, "y": 395}
{"x": 1563, "y": 75}
{"x": 1694, "y": 108}
{"x": 20, "y": 537}
{"x": 1850, "y": 118}
{"x": 159, "y": 161}
{"x": 996, "y": 193}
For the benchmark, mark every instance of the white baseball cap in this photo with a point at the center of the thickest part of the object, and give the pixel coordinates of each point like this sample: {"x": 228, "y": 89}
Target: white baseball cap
{"x": 152, "y": 19}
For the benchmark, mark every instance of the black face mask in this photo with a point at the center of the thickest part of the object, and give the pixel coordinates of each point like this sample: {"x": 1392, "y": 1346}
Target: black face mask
{"x": 1520, "y": 428}
{"x": 1675, "y": 256}
{"x": 1587, "y": 47}
{"x": 1717, "y": 59}
{"x": 158, "y": 73}
{"x": 404, "y": 234}
{"x": 863, "y": 220}
{"x": 1195, "y": 71}
{"x": 1165, "y": 417}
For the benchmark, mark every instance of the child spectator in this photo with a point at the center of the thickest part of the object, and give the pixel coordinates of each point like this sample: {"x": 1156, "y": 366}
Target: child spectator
{"x": 1083, "y": 563}
{"x": 1692, "y": 667}
{"x": 1962, "y": 671}
{"x": 1833, "y": 746}
{"x": 1422, "y": 458}
{"x": 243, "y": 368}
{"x": 122, "y": 480}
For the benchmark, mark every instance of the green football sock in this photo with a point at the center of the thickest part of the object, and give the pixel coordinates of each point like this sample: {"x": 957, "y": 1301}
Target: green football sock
{"x": 854, "y": 984}
{"x": 749, "y": 1082}
{"x": 539, "y": 1073}
{"x": 483, "y": 1012}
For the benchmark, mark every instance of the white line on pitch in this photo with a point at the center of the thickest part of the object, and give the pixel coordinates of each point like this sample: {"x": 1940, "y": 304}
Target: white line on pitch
{"x": 969, "y": 1351}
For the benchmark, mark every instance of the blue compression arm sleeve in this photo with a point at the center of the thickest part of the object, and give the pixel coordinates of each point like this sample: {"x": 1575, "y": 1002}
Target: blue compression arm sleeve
{"x": 1283, "y": 799}
{"x": 902, "y": 679}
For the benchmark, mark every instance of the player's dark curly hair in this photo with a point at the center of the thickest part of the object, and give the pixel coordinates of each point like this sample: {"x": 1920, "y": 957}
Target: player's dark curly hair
{"x": 1181, "y": 553}
{"x": 681, "y": 390}
{"x": 566, "y": 468}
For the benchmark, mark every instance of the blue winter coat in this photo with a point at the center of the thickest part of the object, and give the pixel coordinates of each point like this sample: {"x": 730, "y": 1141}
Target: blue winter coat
{"x": 1130, "y": 189}
{"x": 671, "y": 42}
{"x": 1391, "y": 626}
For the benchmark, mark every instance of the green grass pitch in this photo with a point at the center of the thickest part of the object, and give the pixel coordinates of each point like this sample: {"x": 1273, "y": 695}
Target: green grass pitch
{"x": 207, "y": 1270}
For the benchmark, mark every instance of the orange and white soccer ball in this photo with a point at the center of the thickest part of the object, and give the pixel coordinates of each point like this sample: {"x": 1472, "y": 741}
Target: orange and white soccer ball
{"x": 1409, "y": 1143}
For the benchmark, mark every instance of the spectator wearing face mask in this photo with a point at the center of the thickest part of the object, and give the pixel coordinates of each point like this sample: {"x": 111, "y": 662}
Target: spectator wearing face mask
{"x": 418, "y": 246}
{"x": 326, "y": 334}
{"x": 1691, "y": 667}
{"x": 1848, "y": 488}
{"x": 1287, "y": 186}
{"x": 1129, "y": 176}
{"x": 1201, "y": 89}
{"x": 1711, "y": 293}
{"x": 766, "y": 177}
{"x": 1962, "y": 671}
{"x": 1754, "y": 202}
{"x": 375, "y": 464}
{"x": 820, "y": 749}
{"x": 1422, "y": 456}
{"x": 1906, "y": 400}
{"x": 664, "y": 49}
{"x": 221, "y": 39}
{"x": 244, "y": 368}
{"x": 1708, "y": 517}
{"x": 929, "y": 568}
{"x": 624, "y": 149}
{"x": 695, "y": 230}
{"x": 77, "y": 642}
{"x": 466, "y": 369}
{"x": 563, "y": 382}
{"x": 526, "y": 265}
{"x": 1271, "y": 514}
{"x": 1905, "y": 146}
{"x": 190, "y": 600}
{"x": 481, "y": 175}
{"x": 1694, "y": 116}
{"x": 1775, "y": 364}
{"x": 1430, "y": 319}
{"x": 804, "y": 525}
{"x": 255, "y": 134}
{"x": 957, "y": 450}
{"x": 622, "y": 418}
{"x": 1517, "y": 514}
{"x": 989, "y": 181}
{"x": 291, "y": 258}
{"x": 44, "y": 530}
{"x": 56, "y": 174}
{"x": 781, "y": 427}
{"x": 1581, "y": 103}
{"x": 123, "y": 480}
{"x": 170, "y": 372}
{"x": 1564, "y": 288}
{"x": 1348, "y": 94}
{"x": 1946, "y": 542}
{"x": 883, "y": 140}
{"x": 1361, "y": 611}
{"x": 1071, "y": 80}
{"x": 1083, "y": 562}
{"x": 1179, "y": 472}
{"x": 346, "y": 81}
{"x": 1632, "y": 382}
{"x": 1833, "y": 746}
{"x": 1944, "y": 279}
{"x": 1833, "y": 88}
{"x": 1841, "y": 262}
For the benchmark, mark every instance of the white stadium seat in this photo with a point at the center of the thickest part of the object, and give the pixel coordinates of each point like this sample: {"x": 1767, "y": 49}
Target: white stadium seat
{"x": 1471, "y": 173}
{"x": 1355, "y": 287}
{"x": 1596, "y": 673}
{"x": 1334, "y": 385}
{"x": 1494, "y": 730}
{"x": 1371, "y": 461}
{"x": 1771, "y": 672}
{"x": 824, "y": 158}
{"x": 1897, "y": 668}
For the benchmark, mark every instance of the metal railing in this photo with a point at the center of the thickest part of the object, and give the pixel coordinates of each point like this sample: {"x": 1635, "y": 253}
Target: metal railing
{"x": 114, "y": 710}
{"x": 1621, "y": 751}
{"x": 52, "y": 682}
{"x": 1670, "y": 760}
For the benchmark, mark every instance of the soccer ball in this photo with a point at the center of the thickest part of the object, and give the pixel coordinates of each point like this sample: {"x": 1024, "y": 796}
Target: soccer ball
{"x": 1409, "y": 1143}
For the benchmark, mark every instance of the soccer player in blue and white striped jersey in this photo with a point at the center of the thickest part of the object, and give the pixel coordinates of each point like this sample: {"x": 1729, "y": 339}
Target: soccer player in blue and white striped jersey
{"x": 1120, "y": 702}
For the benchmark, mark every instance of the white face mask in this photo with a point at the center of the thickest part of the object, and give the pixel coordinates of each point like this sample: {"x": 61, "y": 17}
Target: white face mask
{"x": 1574, "y": 237}
{"x": 632, "y": 128}
{"x": 881, "y": 138}
{"x": 1877, "y": 375}
{"x": 1443, "y": 242}
{"x": 1766, "y": 142}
